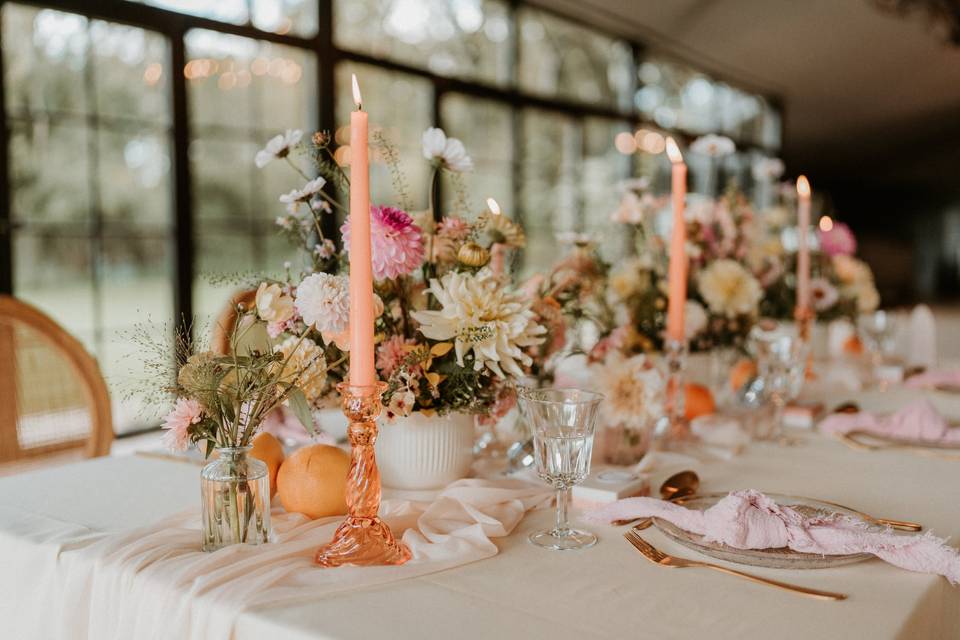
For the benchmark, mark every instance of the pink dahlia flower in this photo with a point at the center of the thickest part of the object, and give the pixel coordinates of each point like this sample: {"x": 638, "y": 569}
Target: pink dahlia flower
{"x": 391, "y": 353}
{"x": 838, "y": 241}
{"x": 397, "y": 243}
{"x": 177, "y": 423}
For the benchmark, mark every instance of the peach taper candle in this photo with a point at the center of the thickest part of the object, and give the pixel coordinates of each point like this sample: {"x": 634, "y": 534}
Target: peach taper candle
{"x": 677, "y": 274}
{"x": 362, "y": 371}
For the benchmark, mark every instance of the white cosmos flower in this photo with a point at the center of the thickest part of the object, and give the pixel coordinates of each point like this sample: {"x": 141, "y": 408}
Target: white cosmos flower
{"x": 767, "y": 168}
{"x": 450, "y": 152}
{"x": 713, "y": 146}
{"x": 729, "y": 289}
{"x": 323, "y": 301}
{"x": 273, "y": 305}
{"x": 304, "y": 194}
{"x": 482, "y": 317}
{"x": 278, "y": 147}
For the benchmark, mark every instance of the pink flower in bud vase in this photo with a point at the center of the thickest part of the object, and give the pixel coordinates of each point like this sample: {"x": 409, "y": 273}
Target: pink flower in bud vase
{"x": 396, "y": 242}
{"x": 838, "y": 240}
{"x": 185, "y": 412}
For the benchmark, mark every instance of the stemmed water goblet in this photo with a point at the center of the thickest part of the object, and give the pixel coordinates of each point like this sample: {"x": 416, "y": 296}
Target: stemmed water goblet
{"x": 782, "y": 365}
{"x": 563, "y": 423}
{"x": 878, "y": 331}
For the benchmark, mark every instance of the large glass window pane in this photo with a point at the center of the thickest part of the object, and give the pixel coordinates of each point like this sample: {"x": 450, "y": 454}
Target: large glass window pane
{"x": 401, "y": 109}
{"x": 241, "y": 93}
{"x": 486, "y": 129}
{"x": 234, "y": 11}
{"x": 559, "y": 58}
{"x": 463, "y": 38}
{"x": 550, "y": 191}
{"x": 297, "y": 17}
{"x": 45, "y": 57}
{"x": 49, "y": 172}
{"x": 604, "y": 167}
{"x": 89, "y": 115}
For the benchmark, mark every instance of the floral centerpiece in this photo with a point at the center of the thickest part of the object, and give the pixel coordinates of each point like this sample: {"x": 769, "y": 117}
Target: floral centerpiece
{"x": 723, "y": 290}
{"x": 841, "y": 285}
{"x": 452, "y": 333}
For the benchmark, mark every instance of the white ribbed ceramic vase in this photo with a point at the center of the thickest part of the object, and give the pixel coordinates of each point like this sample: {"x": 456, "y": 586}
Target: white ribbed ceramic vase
{"x": 425, "y": 452}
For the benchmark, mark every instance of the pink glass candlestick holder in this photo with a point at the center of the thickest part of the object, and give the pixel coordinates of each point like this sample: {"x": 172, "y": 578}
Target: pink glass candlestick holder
{"x": 362, "y": 538}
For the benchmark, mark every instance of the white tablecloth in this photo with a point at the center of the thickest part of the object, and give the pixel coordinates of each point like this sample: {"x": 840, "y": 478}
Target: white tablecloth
{"x": 608, "y": 591}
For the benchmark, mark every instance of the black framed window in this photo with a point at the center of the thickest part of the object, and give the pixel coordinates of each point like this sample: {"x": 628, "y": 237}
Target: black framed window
{"x": 129, "y": 130}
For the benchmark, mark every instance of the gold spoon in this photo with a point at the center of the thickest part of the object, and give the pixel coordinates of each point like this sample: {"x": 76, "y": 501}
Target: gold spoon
{"x": 679, "y": 485}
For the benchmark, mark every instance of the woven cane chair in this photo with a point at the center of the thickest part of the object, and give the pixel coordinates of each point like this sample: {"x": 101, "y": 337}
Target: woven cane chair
{"x": 54, "y": 403}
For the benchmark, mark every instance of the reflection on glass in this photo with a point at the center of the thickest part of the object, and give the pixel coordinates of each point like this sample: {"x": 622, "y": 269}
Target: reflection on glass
{"x": 88, "y": 110}
{"x": 486, "y": 129}
{"x": 241, "y": 93}
{"x": 383, "y": 91}
{"x": 463, "y": 38}
{"x": 563, "y": 59}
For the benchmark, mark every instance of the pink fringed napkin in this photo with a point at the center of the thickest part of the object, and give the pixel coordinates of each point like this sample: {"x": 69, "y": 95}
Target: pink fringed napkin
{"x": 917, "y": 421}
{"x": 935, "y": 378}
{"x": 750, "y": 520}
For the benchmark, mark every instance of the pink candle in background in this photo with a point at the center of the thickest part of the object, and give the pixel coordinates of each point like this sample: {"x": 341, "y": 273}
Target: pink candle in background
{"x": 362, "y": 371}
{"x": 803, "y": 247}
{"x": 678, "y": 250}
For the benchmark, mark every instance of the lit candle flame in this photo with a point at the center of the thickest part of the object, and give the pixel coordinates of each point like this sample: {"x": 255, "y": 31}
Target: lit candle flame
{"x": 803, "y": 187}
{"x": 673, "y": 151}
{"x": 493, "y": 206}
{"x": 357, "y": 100}
{"x": 826, "y": 223}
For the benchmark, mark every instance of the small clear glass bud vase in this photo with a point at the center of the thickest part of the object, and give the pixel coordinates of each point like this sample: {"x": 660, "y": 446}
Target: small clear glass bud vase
{"x": 235, "y": 494}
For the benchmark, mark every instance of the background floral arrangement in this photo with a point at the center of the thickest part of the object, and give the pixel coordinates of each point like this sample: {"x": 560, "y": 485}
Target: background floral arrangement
{"x": 841, "y": 285}
{"x": 723, "y": 291}
{"x": 452, "y": 332}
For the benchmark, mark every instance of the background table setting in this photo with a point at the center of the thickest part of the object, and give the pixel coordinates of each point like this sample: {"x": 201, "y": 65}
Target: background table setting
{"x": 479, "y": 436}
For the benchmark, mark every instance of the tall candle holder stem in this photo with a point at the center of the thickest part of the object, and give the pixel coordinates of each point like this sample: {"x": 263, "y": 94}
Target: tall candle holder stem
{"x": 675, "y": 428}
{"x": 362, "y": 538}
{"x": 804, "y": 319}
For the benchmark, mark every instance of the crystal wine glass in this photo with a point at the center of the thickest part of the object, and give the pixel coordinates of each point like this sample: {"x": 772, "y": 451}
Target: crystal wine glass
{"x": 878, "y": 330}
{"x": 563, "y": 423}
{"x": 782, "y": 364}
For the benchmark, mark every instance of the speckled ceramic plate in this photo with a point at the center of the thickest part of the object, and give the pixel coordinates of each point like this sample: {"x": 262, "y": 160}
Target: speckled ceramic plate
{"x": 783, "y": 558}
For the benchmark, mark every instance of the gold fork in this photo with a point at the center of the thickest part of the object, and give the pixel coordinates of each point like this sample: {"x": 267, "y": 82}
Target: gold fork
{"x": 656, "y": 556}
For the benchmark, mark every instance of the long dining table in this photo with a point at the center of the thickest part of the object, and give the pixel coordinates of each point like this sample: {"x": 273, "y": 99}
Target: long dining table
{"x": 607, "y": 591}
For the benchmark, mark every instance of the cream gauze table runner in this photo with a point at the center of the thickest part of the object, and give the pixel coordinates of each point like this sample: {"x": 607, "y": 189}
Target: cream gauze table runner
{"x": 69, "y": 537}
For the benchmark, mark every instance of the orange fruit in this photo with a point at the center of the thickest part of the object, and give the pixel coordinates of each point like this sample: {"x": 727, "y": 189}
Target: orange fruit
{"x": 741, "y": 373}
{"x": 853, "y": 346}
{"x": 268, "y": 449}
{"x": 697, "y": 401}
{"x": 313, "y": 481}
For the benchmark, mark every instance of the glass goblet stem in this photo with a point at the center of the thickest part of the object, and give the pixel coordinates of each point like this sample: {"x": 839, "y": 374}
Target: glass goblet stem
{"x": 563, "y": 505}
{"x": 779, "y": 402}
